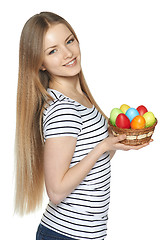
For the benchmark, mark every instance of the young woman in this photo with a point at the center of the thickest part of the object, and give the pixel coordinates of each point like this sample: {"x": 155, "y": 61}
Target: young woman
{"x": 62, "y": 135}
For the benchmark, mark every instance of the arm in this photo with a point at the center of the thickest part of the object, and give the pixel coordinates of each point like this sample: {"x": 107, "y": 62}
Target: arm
{"x": 112, "y": 152}
{"x": 61, "y": 180}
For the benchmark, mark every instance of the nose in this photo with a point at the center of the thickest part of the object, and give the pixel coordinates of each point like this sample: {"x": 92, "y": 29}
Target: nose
{"x": 67, "y": 53}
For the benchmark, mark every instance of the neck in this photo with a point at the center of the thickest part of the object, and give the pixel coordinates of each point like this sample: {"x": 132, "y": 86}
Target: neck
{"x": 66, "y": 85}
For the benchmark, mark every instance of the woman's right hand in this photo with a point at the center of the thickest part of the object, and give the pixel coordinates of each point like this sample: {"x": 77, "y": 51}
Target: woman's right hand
{"x": 114, "y": 143}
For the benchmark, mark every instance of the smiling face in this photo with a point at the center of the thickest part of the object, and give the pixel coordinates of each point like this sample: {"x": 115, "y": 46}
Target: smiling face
{"x": 62, "y": 56}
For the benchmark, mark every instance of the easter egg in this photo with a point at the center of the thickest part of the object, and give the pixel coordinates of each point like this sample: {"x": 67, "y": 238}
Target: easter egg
{"x": 122, "y": 121}
{"x": 131, "y": 113}
{"x": 150, "y": 119}
{"x": 142, "y": 110}
{"x": 113, "y": 115}
{"x": 124, "y": 108}
{"x": 138, "y": 122}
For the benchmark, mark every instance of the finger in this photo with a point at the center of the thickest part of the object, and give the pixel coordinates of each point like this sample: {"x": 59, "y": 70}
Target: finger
{"x": 131, "y": 147}
{"x": 120, "y": 138}
{"x": 138, "y": 146}
{"x": 116, "y": 141}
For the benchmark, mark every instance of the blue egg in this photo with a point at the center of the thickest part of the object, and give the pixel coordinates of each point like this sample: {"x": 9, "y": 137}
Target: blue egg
{"x": 131, "y": 113}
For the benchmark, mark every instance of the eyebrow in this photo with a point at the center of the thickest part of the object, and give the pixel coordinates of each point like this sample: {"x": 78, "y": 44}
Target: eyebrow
{"x": 56, "y": 45}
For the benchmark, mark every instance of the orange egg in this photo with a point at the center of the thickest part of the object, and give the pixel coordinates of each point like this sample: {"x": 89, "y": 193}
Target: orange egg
{"x": 138, "y": 122}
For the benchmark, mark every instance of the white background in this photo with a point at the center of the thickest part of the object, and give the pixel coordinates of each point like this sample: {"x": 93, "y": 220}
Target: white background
{"x": 120, "y": 45}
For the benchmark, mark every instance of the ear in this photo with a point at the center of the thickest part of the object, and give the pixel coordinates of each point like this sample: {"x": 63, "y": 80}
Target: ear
{"x": 42, "y": 68}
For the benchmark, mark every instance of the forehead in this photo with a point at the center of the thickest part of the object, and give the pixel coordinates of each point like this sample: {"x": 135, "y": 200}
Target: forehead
{"x": 56, "y": 34}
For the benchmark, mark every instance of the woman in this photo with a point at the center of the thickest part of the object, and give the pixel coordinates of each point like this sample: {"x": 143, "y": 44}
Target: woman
{"x": 61, "y": 135}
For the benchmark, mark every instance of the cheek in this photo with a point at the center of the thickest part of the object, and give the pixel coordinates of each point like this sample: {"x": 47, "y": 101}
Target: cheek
{"x": 52, "y": 63}
{"x": 77, "y": 49}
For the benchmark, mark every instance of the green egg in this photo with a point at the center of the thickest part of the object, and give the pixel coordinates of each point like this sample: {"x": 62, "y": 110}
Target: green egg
{"x": 113, "y": 115}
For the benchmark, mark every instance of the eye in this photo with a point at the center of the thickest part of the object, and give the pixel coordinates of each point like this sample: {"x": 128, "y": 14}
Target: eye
{"x": 53, "y": 51}
{"x": 70, "y": 41}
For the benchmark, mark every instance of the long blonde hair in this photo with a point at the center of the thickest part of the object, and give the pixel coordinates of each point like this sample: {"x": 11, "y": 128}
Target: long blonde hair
{"x": 31, "y": 97}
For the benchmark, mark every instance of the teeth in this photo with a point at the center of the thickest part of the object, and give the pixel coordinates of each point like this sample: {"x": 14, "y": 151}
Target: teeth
{"x": 70, "y": 62}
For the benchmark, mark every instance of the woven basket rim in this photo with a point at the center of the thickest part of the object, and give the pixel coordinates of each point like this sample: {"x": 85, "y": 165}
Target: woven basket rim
{"x": 130, "y": 130}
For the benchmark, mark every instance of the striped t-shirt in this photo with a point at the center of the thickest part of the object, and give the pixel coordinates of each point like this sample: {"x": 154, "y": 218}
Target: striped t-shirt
{"x": 83, "y": 214}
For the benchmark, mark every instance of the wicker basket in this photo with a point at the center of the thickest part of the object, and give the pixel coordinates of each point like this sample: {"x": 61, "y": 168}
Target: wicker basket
{"x": 134, "y": 136}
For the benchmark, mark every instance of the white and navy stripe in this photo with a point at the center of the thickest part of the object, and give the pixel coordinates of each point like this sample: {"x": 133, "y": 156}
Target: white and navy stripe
{"x": 83, "y": 214}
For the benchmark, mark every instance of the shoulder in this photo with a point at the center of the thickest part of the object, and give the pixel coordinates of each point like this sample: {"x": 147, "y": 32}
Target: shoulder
{"x": 61, "y": 117}
{"x": 60, "y": 105}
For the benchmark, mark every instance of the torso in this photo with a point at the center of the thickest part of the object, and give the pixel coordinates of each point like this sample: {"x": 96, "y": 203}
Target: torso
{"x": 83, "y": 214}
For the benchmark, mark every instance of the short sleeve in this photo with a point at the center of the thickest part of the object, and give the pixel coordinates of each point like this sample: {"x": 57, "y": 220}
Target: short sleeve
{"x": 62, "y": 119}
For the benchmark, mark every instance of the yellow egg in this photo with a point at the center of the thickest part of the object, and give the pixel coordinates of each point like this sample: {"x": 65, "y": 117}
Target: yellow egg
{"x": 124, "y": 108}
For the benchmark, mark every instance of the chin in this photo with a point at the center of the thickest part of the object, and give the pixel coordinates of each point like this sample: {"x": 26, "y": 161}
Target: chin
{"x": 74, "y": 72}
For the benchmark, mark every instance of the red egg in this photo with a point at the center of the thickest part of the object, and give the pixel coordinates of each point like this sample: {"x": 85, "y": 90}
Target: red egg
{"x": 142, "y": 110}
{"x": 122, "y": 121}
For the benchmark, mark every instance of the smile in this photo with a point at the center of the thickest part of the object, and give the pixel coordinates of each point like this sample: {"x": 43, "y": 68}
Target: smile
{"x": 71, "y": 63}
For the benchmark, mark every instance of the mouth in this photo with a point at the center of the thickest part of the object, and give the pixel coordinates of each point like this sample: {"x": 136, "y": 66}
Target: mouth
{"x": 71, "y": 63}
